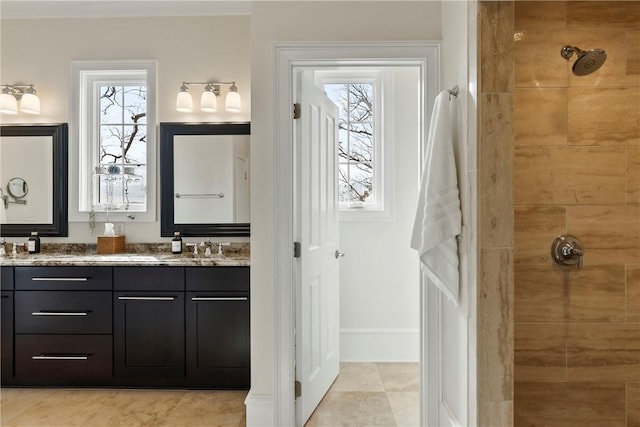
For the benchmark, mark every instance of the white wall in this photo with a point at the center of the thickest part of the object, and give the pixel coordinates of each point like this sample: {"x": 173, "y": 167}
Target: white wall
{"x": 186, "y": 48}
{"x": 379, "y": 276}
{"x": 288, "y": 22}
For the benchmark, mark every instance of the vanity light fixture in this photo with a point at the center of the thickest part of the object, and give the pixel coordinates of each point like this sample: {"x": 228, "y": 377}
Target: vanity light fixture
{"x": 209, "y": 97}
{"x": 26, "y": 94}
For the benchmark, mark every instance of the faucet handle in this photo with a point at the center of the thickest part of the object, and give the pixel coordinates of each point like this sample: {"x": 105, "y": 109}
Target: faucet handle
{"x": 220, "y": 245}
{"x": 195, "y": 247}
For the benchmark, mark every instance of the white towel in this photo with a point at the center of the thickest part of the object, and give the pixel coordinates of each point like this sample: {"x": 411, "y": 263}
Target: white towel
{"x": 438, "y": 217}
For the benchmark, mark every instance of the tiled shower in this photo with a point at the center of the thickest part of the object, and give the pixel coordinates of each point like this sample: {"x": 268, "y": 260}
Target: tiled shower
{"x": 559, "y": 154}
{"x": 576, "y": 170}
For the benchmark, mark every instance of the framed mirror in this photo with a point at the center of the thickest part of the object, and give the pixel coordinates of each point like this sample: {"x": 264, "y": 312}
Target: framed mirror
{"x": 204, "y": 179}
{"x": 33, "y": 180}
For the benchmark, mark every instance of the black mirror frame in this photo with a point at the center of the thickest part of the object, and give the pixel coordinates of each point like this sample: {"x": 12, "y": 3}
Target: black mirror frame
{"x": 167, "y": 225}
{"x": 60, "y": 225}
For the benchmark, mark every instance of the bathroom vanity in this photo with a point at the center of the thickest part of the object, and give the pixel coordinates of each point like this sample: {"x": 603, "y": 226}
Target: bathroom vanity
{"x": 126, "y": 320}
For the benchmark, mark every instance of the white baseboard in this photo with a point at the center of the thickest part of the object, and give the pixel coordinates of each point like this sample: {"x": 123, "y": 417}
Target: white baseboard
{"x": 259, "y": 410}
{"x": 379, "y": 345}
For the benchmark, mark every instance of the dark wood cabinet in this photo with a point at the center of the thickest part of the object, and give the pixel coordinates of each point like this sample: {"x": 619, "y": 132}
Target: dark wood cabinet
{"x": 62, "y": 326}
{"x": 217, "y": 315}
{"x": 126, "y": 326}
{"x": 6, "y": 327}
{"x": 149, "y": 326}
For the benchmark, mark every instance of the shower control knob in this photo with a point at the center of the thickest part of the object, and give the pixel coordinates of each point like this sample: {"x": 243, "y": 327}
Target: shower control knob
{"x": 567, "y": 251}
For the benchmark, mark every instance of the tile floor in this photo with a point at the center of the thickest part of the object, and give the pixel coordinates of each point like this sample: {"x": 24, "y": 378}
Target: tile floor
{"x": 372, "y": 394}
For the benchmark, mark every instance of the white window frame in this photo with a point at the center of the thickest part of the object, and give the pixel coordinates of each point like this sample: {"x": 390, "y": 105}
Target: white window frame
{"x": 381, "y": 79}
{"x": 84, "y": 77}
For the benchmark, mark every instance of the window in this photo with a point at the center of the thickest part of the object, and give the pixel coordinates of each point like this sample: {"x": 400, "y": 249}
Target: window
{"x": 363, "y": 188}
{"x": 115, "y": 107}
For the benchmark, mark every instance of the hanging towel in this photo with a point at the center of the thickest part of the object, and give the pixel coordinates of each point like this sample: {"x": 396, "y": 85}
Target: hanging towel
{"x": 438, "y": 217}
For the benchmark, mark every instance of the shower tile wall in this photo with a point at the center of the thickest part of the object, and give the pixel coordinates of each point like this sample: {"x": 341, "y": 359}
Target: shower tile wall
{"x": 576, "y": 169}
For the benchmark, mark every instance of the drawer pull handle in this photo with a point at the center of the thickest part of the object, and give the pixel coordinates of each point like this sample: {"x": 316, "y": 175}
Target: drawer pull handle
{"x": 43, "y": 357}
{"x": 60, "y": 313}
{"x": 59, "y": 279}
{"x": 147, "y": 298}
{"x": 219, "y": 299}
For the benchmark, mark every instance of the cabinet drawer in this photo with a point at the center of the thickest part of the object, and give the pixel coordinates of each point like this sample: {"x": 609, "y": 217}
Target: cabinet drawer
{"x": 60, "y": 312}
{"x": 217, "y": 278}
{"x": 148, "y": 278}
{"x": 6, "y": 278}
{"x": 64, "y": 278}
{"x": 63, "y": 359}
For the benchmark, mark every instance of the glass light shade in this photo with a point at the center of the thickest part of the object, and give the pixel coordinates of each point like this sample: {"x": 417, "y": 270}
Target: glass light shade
{"x": 233, "y": 102}
{"x": 8, "y": 104}
{"x": 30, "y": 103}
{"x": 184, "y": 102}
{"x": 208, "y": 102}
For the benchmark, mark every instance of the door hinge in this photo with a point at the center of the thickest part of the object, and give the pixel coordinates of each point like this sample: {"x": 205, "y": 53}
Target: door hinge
{"x": 298, "y": 389}
{"x": 297, "y": 251}
{"x": 297, "y": 110}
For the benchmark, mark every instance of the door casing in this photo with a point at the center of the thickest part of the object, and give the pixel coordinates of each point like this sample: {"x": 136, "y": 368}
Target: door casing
{"x": 425, "y": 55}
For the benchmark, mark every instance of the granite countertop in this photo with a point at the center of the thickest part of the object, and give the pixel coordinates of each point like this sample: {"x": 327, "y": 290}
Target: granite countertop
{"x": 135, "y": 255}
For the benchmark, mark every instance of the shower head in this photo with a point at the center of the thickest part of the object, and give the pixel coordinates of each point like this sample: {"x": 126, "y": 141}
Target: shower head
{"x": 588, "y": 60}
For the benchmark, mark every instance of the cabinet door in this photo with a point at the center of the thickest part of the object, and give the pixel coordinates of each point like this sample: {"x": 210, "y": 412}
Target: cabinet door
{"x": 6, "y": 327}
{"x": 148, "y": 338}
{"x": 218, "y": 340}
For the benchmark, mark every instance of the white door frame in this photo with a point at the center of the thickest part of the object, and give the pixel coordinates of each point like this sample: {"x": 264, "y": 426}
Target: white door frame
{"x": 424, "y": 54}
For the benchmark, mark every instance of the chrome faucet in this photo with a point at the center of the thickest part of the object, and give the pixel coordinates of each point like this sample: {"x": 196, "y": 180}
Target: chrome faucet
{"x": 207, "y": 244}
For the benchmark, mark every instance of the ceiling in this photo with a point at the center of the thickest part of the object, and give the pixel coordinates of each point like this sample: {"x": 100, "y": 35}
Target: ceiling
{"x": 20, "y": 9}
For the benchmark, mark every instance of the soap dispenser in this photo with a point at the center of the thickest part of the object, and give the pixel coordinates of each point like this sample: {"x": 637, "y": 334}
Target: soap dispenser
{"x": 33, "y": 245}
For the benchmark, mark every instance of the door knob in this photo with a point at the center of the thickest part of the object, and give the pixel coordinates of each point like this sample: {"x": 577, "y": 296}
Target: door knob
{"x": 567, "y": 250}
{"x": 339, "y": 254}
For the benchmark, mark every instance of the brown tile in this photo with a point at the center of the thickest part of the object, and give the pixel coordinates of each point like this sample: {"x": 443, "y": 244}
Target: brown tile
{"x": 540, "y": 117}
{"x": 603, "y": 13}
{"x": 16, "y": 400}
{"x": 603, "y": 352}
{"x": 569, "y": 175}
{"x": 633, "y": 293}
{"x": 540, "y": 352}
{"x": 358, "y": 377}
{"x": 612, "y": 40}
{"x": 495, "y": 343}
{"x": 352, "y": 408}
{"x": 496, "y": 141}
{"x": 207, "y": 408}
{"x": 496, "y": 46}
{"x": 538, "y": 62}
{"x": 604, "y": 116}
{"x": 136, "y": 408}
{"x": 535, "y": 227}
{"x": 562, "y": 404}
{"x": 597, "y": 293}
{"x": 633, "y": 404}
{"x": 403, "y": 377}
{"x": 65, "y": 407}
{"x": 495, "y": 413}
{"x": 610, "y": 234}
{"x": 405, "y": 407}
{"x": 531, "y": 17}
{"x": 541, "y": 293}
{"x": 633, "y": 176}
{"x": 633, "y": 57}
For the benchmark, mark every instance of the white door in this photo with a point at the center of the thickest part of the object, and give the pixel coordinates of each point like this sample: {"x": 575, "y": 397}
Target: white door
{"x": 317, "y": 293}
